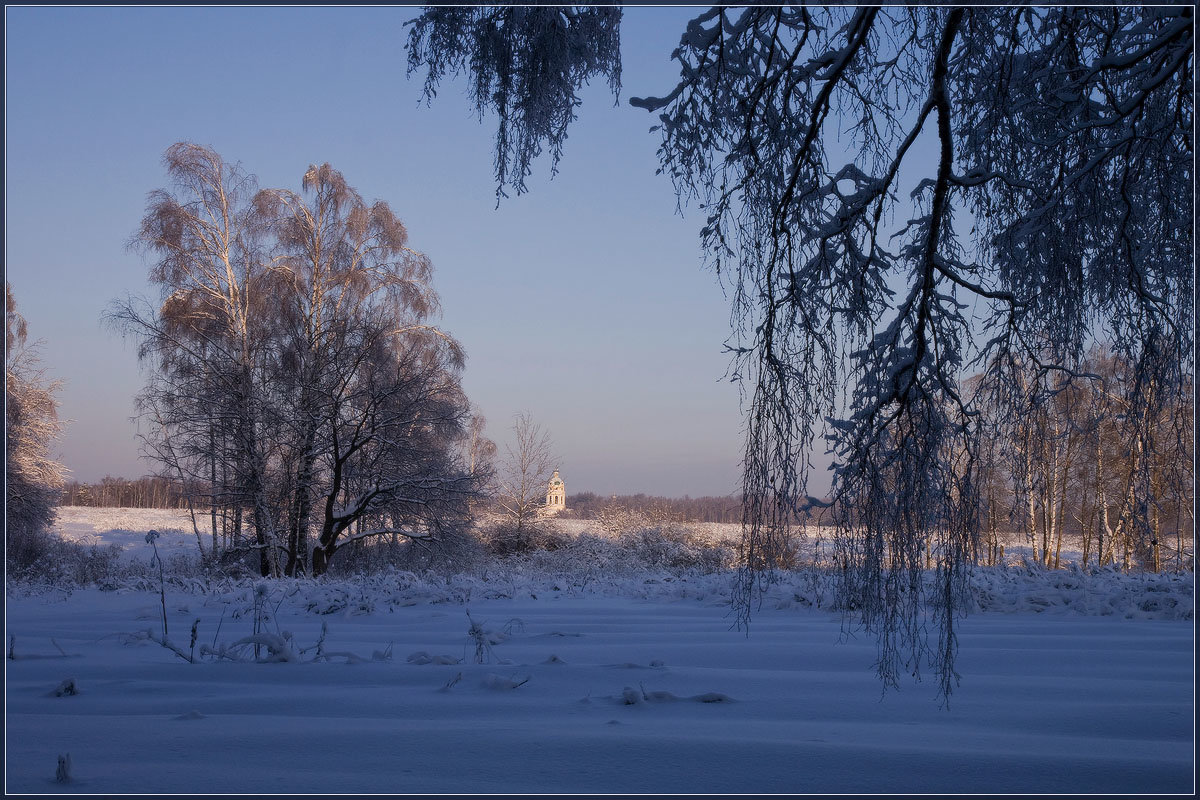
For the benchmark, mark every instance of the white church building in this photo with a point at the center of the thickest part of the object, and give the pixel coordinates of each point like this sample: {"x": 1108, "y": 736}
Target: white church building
{"x": 556, "y": 495}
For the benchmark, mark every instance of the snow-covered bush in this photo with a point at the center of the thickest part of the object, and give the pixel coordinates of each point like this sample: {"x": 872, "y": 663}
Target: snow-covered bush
{"x": 655, "y": 539}
{"x": 453, "y": 552}
{"x": 70, "y": 565}
{"x": 502, "y": 537}
{"x": 32, "y": 479}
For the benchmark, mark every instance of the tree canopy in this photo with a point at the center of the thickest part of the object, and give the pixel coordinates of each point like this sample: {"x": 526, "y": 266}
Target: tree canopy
{"x": 295, "y": 372}
{"x": 1056, "y": 214}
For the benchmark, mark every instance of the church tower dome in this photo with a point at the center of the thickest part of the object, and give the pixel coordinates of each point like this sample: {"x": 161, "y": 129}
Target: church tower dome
{"x": 556, "y": 494}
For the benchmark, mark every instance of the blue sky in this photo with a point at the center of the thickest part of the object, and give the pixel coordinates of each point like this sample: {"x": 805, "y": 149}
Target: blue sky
{"x": 582, "y": 302}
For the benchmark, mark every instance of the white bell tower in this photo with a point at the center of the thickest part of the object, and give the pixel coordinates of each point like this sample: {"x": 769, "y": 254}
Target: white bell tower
{"x": 556, "y": 495}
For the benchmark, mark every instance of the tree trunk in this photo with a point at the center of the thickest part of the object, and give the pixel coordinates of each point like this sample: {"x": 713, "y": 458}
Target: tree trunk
{"x": 1031, "y": 507}
{"x": 1104, "y": 532}
{"x": 1049, "y": 483}
{"x": 1178, "y": 538}
{"x": 264, "y": 529}
{"x": 212, "y": 486}
{"x": 1087, "y": 522}
{"x": 1062, "y": 503}
{"x": 1156, "y": 534}
{"x": 321, "y": 556}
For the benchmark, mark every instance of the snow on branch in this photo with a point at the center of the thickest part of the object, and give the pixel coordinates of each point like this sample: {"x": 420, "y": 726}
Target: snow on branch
{"x": 526, "y": 64}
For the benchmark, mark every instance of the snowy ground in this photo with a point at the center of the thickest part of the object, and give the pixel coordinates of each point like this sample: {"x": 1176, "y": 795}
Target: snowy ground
{"x": 1072, "y": 682}
{"x": 126, "y": 528}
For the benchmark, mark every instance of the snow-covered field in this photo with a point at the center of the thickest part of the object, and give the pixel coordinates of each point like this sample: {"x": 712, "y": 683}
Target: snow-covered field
{"x": 126, "y": 528}
{"x": 632, "y": 682}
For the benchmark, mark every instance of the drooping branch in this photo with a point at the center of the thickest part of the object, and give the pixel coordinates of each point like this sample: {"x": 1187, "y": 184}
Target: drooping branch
{"x": 1064, "y": 146}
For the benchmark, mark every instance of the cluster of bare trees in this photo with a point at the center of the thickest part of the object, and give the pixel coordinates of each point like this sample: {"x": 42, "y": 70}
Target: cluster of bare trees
{"x": 294, "y": 370}
{"x": 32, "y": 478}
{"x": 1084, "y": 464}
{"x": 150, "y": 491}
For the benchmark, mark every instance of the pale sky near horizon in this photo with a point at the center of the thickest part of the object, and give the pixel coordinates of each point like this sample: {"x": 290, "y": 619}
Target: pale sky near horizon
{"x": 582, "y": 302}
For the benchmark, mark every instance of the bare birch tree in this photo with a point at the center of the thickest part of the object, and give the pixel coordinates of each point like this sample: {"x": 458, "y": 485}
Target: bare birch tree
{"x": 522, "y": 480}
{"x": 203, "y": 413}
{"x": 295, "y": 371}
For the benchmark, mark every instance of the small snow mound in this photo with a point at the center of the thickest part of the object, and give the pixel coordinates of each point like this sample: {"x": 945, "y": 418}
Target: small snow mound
{"x": 500, "y": 683}
{"x": 634, "y": 697}
{"x": 639, "y": 696}
{"x": 421, "y": 658}
{"x": 553, "y": 659}
{"x": 712, "y": 697}
{"x": 193, "y": 714}
{"x": 278, "y": 649}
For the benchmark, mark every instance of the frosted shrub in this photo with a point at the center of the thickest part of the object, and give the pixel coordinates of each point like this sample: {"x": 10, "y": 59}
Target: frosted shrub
{"x": 655, "y": 539}
{"x": 589, "y": 557}
{"x": 454, "y": 552}
{"x": 676, "y": 546}
{"x": 25, "y": 549}
{"x": 366, "y": 558}
{"x": 460, "y": 551}
{"x": 70, "y": 565}
{"x": 619, "y": 520}
{"x": 503, "y": 538}
{"x": 236, "y": 563}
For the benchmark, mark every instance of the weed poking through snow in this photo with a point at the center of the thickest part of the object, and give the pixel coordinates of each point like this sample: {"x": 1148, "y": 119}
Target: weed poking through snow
{"x": 483, "y": 645}
{"x": 63, "y": 773}
{"x": 151, "y": 537}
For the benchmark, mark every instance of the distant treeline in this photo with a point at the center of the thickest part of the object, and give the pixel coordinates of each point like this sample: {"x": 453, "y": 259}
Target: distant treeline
{"x": 159, "y": 492}
{"x": 589, "y": 505}
{"x": 147, "y": 492}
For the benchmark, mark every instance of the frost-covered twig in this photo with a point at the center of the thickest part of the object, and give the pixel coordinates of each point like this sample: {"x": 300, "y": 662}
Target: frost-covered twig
{"x": 320, "y": 643}
{"x": 219, "y": 623}
{"x": 483, "y": 648}
{"x": 151, "y": 536}
{"x": 192, "y": 646}
{"x": 169, "y": 645}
